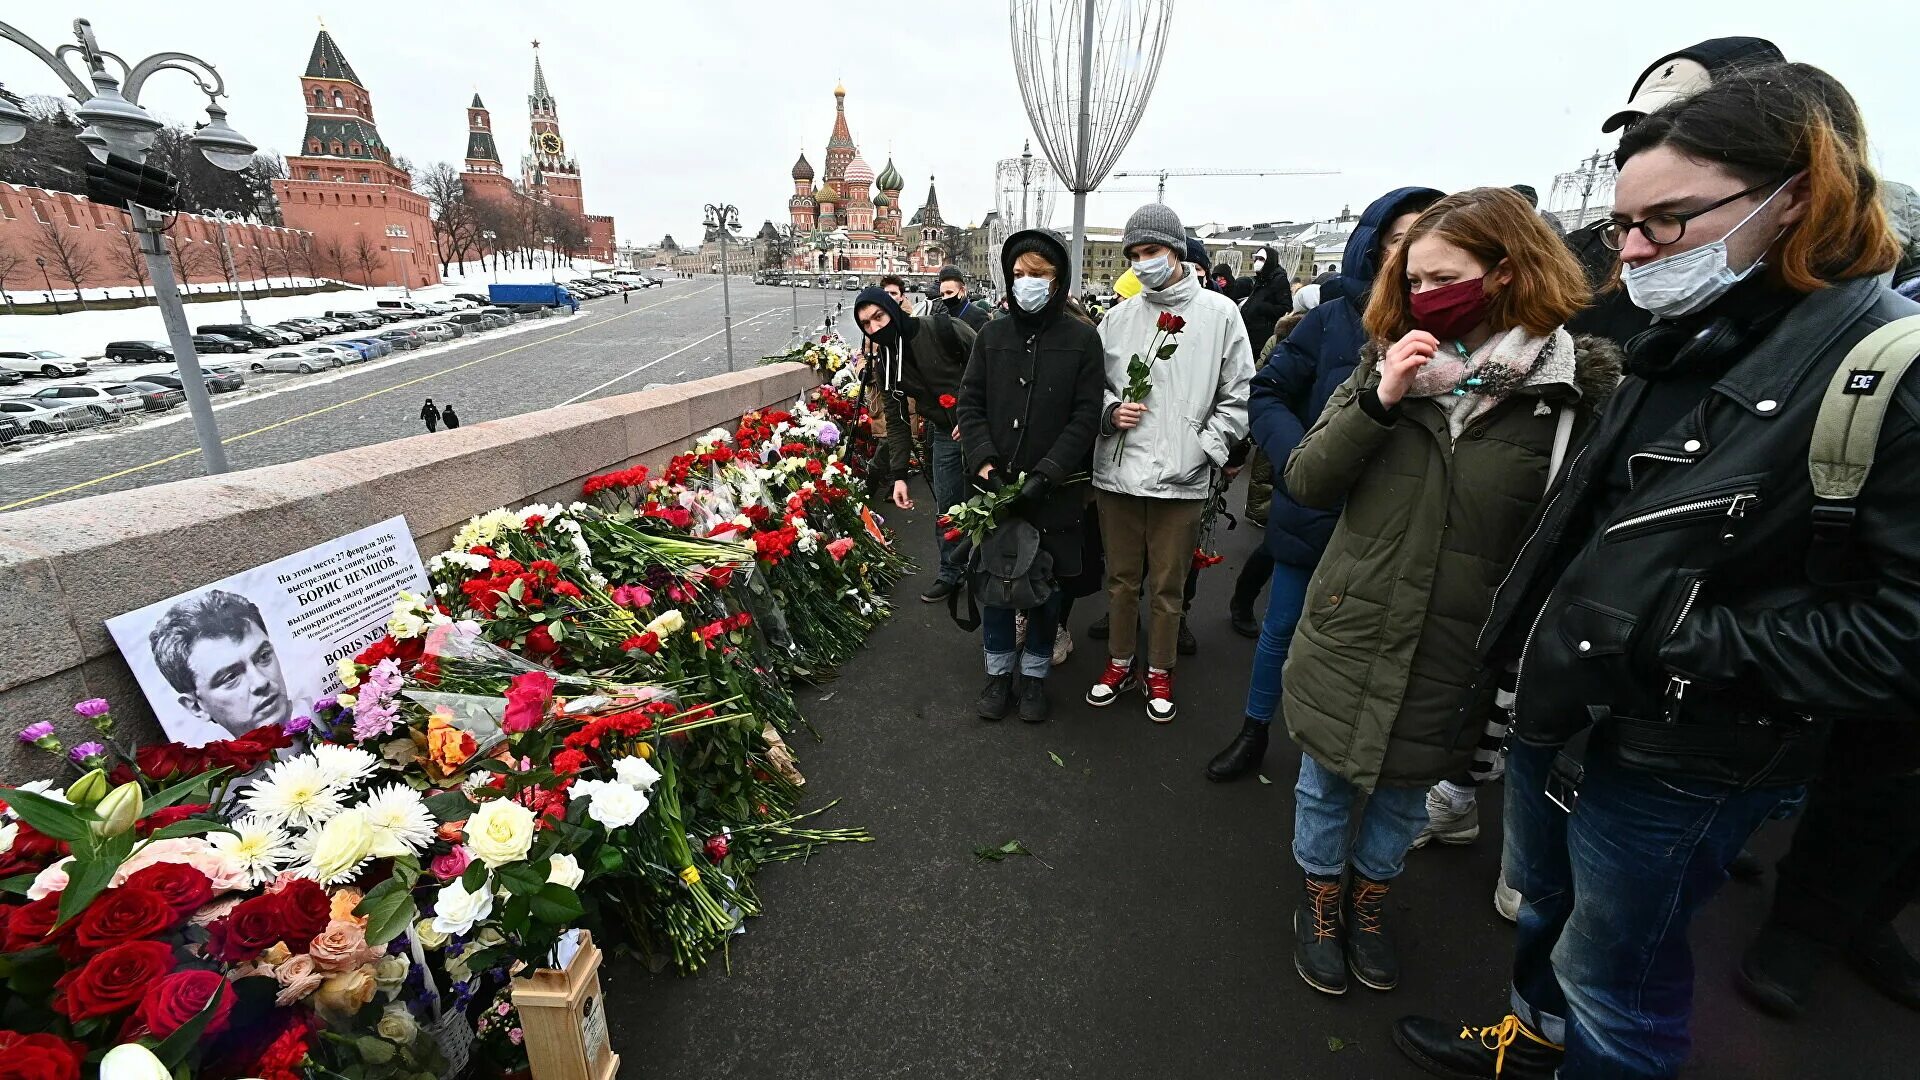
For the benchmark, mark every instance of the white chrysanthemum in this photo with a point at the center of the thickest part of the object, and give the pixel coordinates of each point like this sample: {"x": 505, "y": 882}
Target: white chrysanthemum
{"x": 400, "y": 821}
{"x": 260, "y": 847}
{"x": 344, "y": 766}
{"x": 296, "y": 793}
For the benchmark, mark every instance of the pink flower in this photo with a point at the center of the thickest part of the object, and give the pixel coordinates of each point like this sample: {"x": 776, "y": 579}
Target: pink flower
{"x": 92, "y": 708}
{"x": 51, "y": 880}
{"x": 839, "y": 548}
{"x": 298, "y": 977}
{"x": 453, "y": 863}
{"x": 514, "y": 1036}
{"x": 632, "y": 596}
{"x": 222, "y": 870}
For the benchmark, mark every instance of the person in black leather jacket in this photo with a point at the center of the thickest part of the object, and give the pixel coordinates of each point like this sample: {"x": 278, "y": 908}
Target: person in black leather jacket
{"x": 1687, "y": 629}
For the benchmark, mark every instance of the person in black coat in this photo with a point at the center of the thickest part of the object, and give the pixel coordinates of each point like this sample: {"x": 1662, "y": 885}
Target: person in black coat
{"x": 1029, "y": 412}
{"x": 1270, "y": 297}
{"x": 430, "y": 416}
{"x": 449, "y": 418}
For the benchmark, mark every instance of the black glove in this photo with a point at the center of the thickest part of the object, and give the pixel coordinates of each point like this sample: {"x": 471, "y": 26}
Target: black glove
{"x": 1032, "y": 492}
{"x": 989, "y": 484}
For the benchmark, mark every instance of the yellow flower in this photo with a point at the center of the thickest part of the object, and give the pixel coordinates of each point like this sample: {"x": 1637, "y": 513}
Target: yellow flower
{"x": 342, "y": 995}
{"x": 342, "y": 847}
{"x": 500, "y": 832}
{"x": 349, "y": 672}
{"x": 429, "y": 937}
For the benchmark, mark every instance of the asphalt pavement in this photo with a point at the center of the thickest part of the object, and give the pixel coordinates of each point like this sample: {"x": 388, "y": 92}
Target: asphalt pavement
{"x": 666, "y": 335}
{"x": 1147, "y": 936}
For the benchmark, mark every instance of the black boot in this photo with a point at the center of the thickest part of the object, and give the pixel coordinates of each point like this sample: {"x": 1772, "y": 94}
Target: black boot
{"x": 1777, "y": 971}
{"x": 1508, "y": 1050}
{"x": 1032, "y": 694}
{"x": 1240, "y": 615}
{"x": 1747, "y": 867}
{"x": 996, "y": 700}
{"x": 1098, "y": 631}
{"x": 1370, "y": 952}
{"x": 1316, "y": 936}
{"x": 1243, "y": 754}
{"x": 1188, "y": 643}
{"x": 1880, "y": 958}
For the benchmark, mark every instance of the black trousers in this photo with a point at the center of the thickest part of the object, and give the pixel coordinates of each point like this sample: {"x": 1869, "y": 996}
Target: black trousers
{"x": 1855, "y": 861}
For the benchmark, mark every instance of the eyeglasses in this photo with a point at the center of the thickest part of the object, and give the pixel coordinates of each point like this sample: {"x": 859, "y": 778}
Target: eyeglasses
{"x": 1664, "y": 229}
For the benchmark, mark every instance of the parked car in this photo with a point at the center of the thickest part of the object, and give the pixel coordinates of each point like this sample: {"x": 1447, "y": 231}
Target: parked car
{"x": 10, "y": 377}
{"x": 354, "y": 320}
{"x": 218, "y": 380}
{"x": 265, "y": 337}
{"x": 309, "y": 328}
{"x": 406, "y": 308}
{"x": 281, "y": 334}
{"x": 155, "y": 397}
{"x": 472, "y": 321}
{"x": 47, "y": 417}
{"x": 210, "y": 344}
{"x": 11, "y": 429}
{"x": 403, "y": 339}
{"x": 290, "y": 360}
{"x": 139, "y": 352}
{"x": 474, "y": 298}
{"x": 383, "y": 316}
{"x": 104, "y": 400}
{"x": 369, "y": 348}
{"x": 339, "y": 352}
{"x": 42, "y": 362}
{"x": 438, "y": 331}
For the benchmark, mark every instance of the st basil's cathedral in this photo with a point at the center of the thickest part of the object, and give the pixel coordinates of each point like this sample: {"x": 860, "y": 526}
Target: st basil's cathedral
{"x": 844, "y": 224}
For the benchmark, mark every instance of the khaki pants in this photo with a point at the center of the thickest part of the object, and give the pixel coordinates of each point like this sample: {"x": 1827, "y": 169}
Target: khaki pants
{"x": 1148, "y": 540}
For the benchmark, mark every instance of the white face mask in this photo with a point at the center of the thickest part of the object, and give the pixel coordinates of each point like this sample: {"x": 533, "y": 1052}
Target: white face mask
{"x": 1153, "y": 272}
{"x": 1259, "y": 264}
{"x": 1031, "y": 293}
{"x": 1679, "y": 285}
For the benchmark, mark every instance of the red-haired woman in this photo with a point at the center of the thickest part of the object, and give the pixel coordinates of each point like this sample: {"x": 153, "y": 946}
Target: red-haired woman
{"x": 1437, "y": 448}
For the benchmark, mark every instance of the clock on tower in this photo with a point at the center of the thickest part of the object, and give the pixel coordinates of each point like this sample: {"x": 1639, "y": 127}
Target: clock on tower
{"x": 549, "y": 142}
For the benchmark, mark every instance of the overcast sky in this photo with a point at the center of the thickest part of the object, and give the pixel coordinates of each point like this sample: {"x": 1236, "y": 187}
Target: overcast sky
{"x": 669, "y": 104}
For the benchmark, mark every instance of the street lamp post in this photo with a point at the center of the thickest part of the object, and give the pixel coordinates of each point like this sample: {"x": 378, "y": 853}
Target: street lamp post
{"x": 725, "y": 218}
{"x": 226, "y": 253}
{"x": 116, "y": 125}
{"x": 494, "y": 253}
{"x": 48, "y": 278}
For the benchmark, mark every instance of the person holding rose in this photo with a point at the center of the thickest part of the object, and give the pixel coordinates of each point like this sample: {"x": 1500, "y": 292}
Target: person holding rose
{"x": 1028, "y": 409}
{"x": 1437, "y": 449}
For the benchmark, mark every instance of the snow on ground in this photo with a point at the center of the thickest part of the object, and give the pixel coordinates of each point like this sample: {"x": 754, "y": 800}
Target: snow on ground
{"x": 86, "y": 333}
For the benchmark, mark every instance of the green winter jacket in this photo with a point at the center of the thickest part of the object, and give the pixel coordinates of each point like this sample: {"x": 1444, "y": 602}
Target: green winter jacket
{"x": 1378, "y": 682}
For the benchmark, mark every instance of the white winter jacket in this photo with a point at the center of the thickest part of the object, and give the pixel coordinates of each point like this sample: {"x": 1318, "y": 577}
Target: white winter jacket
{"x": 1197, "y": 409}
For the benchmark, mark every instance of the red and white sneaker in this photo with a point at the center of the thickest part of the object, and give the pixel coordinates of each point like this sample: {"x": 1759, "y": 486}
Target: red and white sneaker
{"x": 1117, "y": 679}
{"x": 1160, "y": 708}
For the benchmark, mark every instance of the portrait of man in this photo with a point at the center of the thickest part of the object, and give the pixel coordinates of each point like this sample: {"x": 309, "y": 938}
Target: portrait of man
{"x": 213, "y": 650}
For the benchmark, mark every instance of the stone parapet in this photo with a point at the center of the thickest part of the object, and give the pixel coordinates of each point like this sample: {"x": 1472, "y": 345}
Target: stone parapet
{"x": 66, "y": 569}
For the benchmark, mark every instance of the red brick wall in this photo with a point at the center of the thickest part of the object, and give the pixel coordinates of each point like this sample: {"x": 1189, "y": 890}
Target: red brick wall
{"x": 101, "y": 233}
{"x": 395, "y": 221}
{"x": 600, "y": 237}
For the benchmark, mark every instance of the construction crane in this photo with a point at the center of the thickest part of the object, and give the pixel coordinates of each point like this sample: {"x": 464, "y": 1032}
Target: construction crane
{"x": 1162, "y": 174}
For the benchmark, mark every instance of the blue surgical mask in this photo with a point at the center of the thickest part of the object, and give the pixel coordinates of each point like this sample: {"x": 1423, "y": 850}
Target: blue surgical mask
{"x": 1031, "y": 293}
{"x": 1679, "y": 285}
{"x": 1153, "y": 272}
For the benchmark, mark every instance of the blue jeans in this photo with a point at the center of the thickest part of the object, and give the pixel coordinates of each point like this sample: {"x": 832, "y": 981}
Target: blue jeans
{"x": 947, "y": 472}
{"x": 997, "y": 636}
{"x": 1276, "y": 637}
{"x": 1323, "y": 811}
{"x": 1601, "y": 963}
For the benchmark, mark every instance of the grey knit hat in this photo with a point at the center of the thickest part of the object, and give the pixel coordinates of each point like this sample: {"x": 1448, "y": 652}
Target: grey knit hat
{"x": 1154, "y": 223}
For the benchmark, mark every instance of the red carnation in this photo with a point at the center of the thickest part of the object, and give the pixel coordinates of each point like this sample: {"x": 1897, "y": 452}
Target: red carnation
{"x": 948, "y": 401}
{"x": 183, "y": 995}
{"x": 124, "y": 914}
{"x": 568, "y": 762}
{"x": 534, "y": 521}
{"x": 282, "y": 1057}
{"x": 39, "y": 1057}
{"x": 716, "y": 847}
{"x": 648, "y": 643}
{"x": 115, "y": 979}
{"x": 183, "y": 888}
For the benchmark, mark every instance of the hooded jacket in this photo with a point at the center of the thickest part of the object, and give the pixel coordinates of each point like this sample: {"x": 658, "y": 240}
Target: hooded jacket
{"x": 1197, "y": 409}
{"x": 1030, "y": 403}
{"x": 1269, "y": 296}
{"x": 1302, "y": 371}
{"x": 886, "y": 376}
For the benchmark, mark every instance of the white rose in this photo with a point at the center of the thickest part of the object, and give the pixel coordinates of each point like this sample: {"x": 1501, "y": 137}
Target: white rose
{"x": 500, "y": 832}
{"x": 429, "y": 937}
{"x": 397, "y": 1025}
{"x": 616, "y": 805}
{"x": 455, "y": 910}
{"x": 131, "y": 1061}
{"x": 667, "y": 623}
{"x": 390, "y": 971}
{"x": 636, "y": 772}
{"x": 565, "y": 870}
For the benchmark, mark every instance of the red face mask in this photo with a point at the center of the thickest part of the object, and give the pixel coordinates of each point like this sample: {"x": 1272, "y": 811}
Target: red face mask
{"x": 1450, "y": 310}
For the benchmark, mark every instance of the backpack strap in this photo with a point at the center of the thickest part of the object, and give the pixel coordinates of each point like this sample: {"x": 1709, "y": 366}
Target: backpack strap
{"x": 972, "y": 620}
{"x": 1847, "y": 431}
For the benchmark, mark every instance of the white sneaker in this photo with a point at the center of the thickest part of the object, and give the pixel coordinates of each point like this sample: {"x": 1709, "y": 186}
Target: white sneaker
{"x": 1062, "y": 646}
{"x": 1506, "y": 900}
{"x": 1446, "y": 824}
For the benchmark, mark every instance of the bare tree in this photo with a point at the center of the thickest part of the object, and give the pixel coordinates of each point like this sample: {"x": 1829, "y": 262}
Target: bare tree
{"x": 10, "y": 263}
{"x": 66, "y": 253}
{"x": 333, "y": 260}
{"x": 127, "y": 258}
{"x": 367, "y": 258}
{"x": 191, "y": 258}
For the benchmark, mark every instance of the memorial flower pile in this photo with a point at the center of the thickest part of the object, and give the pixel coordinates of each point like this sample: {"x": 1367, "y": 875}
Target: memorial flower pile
{"x": 580, "y": 726}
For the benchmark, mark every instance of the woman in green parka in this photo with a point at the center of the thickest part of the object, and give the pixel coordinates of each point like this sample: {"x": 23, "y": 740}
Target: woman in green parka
{"x": 1438, "y": 450}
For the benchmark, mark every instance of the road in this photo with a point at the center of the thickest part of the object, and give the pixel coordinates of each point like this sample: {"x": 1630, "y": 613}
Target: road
{"x": 665, "y": 335}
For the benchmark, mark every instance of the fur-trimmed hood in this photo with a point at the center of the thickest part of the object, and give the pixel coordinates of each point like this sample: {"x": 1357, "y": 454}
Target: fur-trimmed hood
{"x": 1598, "y": 365}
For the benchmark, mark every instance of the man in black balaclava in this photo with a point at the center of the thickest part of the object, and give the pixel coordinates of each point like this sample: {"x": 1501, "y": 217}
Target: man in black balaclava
{"x": 888, "y": 332}
{"x": 953, "y": 291}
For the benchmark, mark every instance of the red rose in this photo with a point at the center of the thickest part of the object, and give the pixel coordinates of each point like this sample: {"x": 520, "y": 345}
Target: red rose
{"x": 307, "y": 906}
{"x": 113, "y": 980}
{"x": 948, "y": 401}
{"x": 539, "y": 640}
{"x": 527, "y": 697}
{"x": 39, "y": 1057}
{"x": 181, "y": 996}
{"x": 32, "y": 852}
{"x": 296, "y": 913}
{"x": 185, "y": 889}
{"x": 168, "y": 760}
{"x": 953, "y": 535}
{"x": 29, "y": 924}
{"x": 124, "y": 914}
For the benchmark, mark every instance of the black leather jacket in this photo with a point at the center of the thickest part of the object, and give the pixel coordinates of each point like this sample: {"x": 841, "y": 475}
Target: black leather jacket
{"x": 1700, "y": 626}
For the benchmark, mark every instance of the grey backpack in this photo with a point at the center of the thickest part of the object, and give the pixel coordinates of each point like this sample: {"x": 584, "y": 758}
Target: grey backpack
{"x": 1009, "y": 569}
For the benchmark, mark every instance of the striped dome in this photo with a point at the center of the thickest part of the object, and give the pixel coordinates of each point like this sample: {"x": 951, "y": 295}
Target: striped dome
{"x": 859, "y": 173}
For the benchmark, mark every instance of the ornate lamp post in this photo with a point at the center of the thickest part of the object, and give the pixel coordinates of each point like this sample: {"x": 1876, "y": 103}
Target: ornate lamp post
{"x": 117, "y": 125}
{"x": 48, "y": 278}
{"x": 724, "y": 218}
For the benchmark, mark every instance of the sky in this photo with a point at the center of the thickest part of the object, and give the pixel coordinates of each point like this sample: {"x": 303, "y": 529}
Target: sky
{"x": 669, "y": 105}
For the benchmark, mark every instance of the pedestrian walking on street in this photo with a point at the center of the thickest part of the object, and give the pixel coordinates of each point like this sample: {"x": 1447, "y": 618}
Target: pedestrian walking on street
{"x": 1156, "y": 463}
{"x": 430, "y": 416}
{"x": 1028, "y": 412}
{"x": 1689, "y": 665}
{"x": 1437, "y": 450}
{"x": 449, "y": 418}
{"x": 1299, "y": 375}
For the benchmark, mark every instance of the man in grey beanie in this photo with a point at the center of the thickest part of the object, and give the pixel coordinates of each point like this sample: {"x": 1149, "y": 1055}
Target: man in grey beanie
{"x": 1159, "y": 451}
